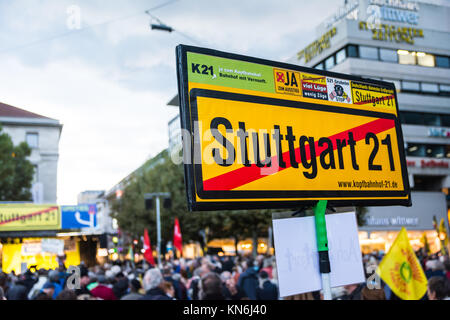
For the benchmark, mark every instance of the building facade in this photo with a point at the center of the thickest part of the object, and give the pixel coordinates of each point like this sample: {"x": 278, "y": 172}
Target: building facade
{"x": 407, "y": 43}
{"x": 42, "y": 134}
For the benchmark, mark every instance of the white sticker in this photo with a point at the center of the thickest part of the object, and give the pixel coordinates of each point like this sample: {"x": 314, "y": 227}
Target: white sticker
{"x": 339, "y": 90}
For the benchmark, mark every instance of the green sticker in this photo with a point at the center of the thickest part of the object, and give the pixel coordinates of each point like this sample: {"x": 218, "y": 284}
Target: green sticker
{"x": 230, "y": 73}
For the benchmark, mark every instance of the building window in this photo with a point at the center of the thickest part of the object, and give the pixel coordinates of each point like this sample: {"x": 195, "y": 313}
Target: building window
{"x": 442, "y": 62}
{"x": 32, "y": 139}
{"x": 445, "y": 120}
{"x": 410, "y": 86}
{"x": 431, "y": 119}
{"x": 430, "y": 87}
{"x": 411, "y": 118}
{"x": 425, "y": 59}
{"x": 435, "y": 151}
{"x": 415, "y": 150}
{"x": 406, "y": 57}
{"x": 388, "y": 55}
{"x": 319, "y": 66}
{"x": 329, "y": 63}
{"x": 444, "y": 88}
{"x": 352, "y": 51}
{"x": 368, "y": 52}
{"x": 340, "y": 56}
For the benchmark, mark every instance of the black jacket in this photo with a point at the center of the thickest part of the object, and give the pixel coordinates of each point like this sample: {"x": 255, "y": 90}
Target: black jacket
{"x": 268, "y": 292}
{"x": 155, "y": 294}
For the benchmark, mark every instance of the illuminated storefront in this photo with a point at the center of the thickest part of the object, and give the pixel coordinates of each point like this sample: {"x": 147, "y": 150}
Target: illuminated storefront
{"x": 384, "y": 223}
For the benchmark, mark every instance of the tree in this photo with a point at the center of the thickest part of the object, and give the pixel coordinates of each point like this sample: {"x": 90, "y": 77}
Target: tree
{"x": 16, "y": 172}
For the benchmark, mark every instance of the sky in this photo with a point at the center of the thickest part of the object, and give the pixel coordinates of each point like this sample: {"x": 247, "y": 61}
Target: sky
{"x": 98, "y": 68}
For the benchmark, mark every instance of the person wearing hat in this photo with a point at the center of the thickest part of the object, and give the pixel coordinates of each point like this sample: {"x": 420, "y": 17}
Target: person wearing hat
{"x": 134, "y": 294}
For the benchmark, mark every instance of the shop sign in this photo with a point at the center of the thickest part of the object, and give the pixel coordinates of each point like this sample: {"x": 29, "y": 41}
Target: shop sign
{"x": 392, "y": 33}
{"x": 423, "y": 163}
{"x": 317, "y": 46}
{"x": 439, "y": 132}
{"x": 393, "y": 221}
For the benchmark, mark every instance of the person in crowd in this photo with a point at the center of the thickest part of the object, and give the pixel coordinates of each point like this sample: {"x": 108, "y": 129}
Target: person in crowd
{"x": 19, "y": 290}
{"x": 174, "y": 279}
{"x": 434, "y": 268}
{"x": 227, "y": 264}
{"x": 120, "y": 287}
{"x": 266, "y": 290}
{"x": 438, "y": 288}
{"x": 46, "y": 292}
{"x": 447, "y": 268}
{"x": 169, "y": 289}
{"x": 84, "y": 282}
{"x": 230, "y": 290}
{"x": 2, "y": 294}
{"x": 248, "y": 280}
{"x": 267, "y": 266}
{"x": 353, "y": 292}
{"x": 54, "y": 278}
{"x": 4, "y": 282}
{"x": 42, "y": 279}
{"x": 134, "y": 294}
{"x": 99, "y": 289}
{"x": 211, "y": 287}
{"x": 67, "y": 294}
{"x": 152, "y": 282}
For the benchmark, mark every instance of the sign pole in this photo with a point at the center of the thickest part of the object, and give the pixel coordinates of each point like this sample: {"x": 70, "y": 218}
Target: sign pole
{"x": 322, "y": 247}
{"x": 158, "y": 229}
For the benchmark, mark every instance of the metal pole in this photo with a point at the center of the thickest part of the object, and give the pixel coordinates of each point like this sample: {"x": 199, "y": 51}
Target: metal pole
{"x": 322, "y": 247}
{"x": 158, "y": 230}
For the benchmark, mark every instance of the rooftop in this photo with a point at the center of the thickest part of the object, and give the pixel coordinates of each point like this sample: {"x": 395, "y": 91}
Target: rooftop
{"x": 8, "y": 111}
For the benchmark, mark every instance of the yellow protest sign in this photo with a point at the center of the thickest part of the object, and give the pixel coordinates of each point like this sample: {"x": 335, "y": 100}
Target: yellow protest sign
{"x": 22, "y": 217}
{"x": 401, "y": 270}
{"x": 265, "y": 134}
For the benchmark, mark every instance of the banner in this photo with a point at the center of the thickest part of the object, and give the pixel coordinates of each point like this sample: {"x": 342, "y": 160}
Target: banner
{"x": 29, "y": 217}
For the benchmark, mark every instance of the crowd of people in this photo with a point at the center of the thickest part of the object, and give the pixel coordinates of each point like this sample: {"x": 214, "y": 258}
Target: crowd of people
{"x": 204, "y": 278}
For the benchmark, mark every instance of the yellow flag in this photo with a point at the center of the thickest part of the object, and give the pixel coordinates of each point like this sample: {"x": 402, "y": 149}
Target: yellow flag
{"x": 401, "y": 270}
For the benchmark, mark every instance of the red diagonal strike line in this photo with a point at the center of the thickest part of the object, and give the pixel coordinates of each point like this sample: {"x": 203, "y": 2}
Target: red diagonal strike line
{"x": 244, "y": 175}
{"x": 28, "y": 215}
{"x": 370, "y": 101}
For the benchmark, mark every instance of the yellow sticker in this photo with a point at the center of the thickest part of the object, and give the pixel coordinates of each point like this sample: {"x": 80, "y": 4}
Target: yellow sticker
{"x": 287, "y": 82}
{"x": 374, "y": 96}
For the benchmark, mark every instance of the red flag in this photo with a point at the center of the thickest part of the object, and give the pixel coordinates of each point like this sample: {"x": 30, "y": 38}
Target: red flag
{"x": 148, "y": 255}
{"x": 177, "y": 240}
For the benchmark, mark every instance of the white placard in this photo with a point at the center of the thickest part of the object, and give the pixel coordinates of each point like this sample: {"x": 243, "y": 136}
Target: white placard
{"x": 298, "y": 259}
{"x": 52, "y": 246}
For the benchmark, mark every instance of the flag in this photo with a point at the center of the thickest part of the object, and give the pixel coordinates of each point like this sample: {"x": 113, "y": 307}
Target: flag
{"x": 401, "y": 270}
{"x": 177, "y": 240}
{"x": 148, "y": 254}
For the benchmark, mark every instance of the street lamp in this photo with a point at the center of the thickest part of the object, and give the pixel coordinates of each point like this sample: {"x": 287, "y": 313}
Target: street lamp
{"x": 149, "y": 205}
